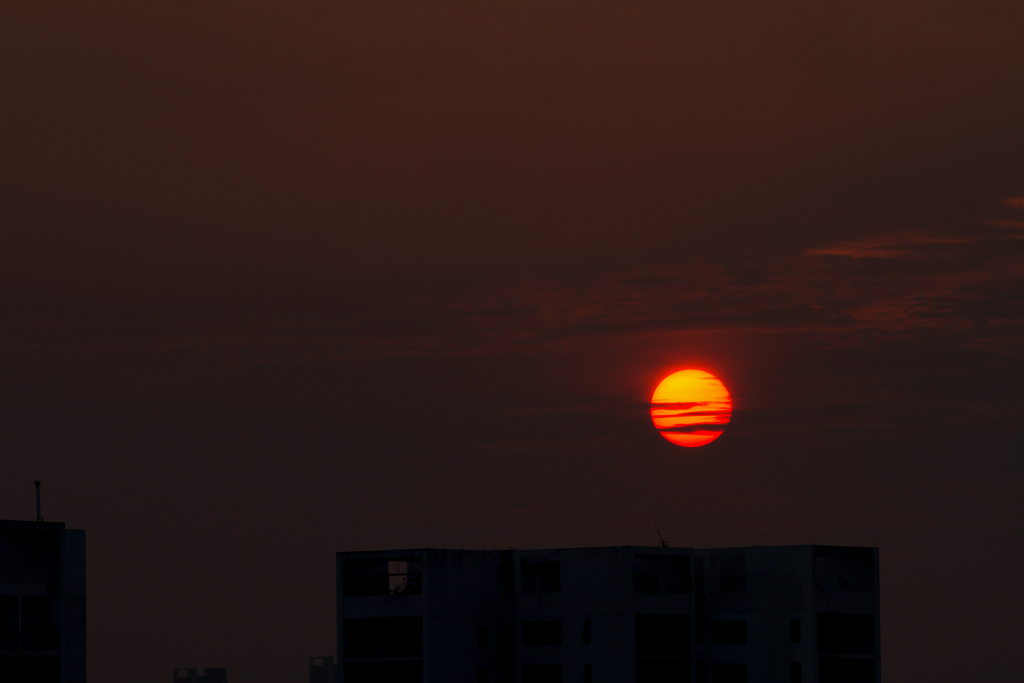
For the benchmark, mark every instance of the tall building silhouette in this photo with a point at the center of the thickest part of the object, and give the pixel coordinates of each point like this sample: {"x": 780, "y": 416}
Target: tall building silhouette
{"x": 803, "y": 614}
{"x": 42, "y": 602}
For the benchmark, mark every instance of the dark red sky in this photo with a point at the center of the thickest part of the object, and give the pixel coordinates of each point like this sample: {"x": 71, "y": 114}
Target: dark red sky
{"x": 286, "y": 278}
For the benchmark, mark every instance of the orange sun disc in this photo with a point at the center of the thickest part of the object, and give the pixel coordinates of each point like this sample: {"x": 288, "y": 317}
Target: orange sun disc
{"x": 691, "y": 407}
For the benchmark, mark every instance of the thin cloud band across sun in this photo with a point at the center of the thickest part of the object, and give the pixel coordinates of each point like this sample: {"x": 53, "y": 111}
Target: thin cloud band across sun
{"x": 691, "y": 408}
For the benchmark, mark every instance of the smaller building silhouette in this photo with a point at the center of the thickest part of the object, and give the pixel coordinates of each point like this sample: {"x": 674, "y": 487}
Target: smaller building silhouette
{"x": 210, "y": 675}
{"x": 42, "y": 602}
{"x": 321, "y": 670}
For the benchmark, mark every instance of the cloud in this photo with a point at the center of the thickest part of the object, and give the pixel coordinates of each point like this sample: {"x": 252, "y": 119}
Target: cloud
{"x": 668, "y": 405}
{"x": 849, "y": 293}
{"x": 700, "y": 413}
{"x": 1015, "y": 202}
{"x": 908, "y": 312}
{"x": 702, "y": 428}
{"x": 898, "y": 245}
{"x": 1005, "y": 223}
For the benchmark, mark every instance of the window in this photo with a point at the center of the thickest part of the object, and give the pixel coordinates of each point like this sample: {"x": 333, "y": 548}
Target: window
{"x": 646, "y": 583}
{"x": 38, "y": 631}
{"x": 483, "y": 636}
{"x": 586, "y": 632}
{"x": 794, "y": 630}
{"x": 383, "y": 577}
{"x": 795, "y": 673}
{"x": 846, "y": 670}
{"x": 506, "y": 639}
{"x": 728, "y": 632}
{"x": 483, "y": 675}
{"x": 846, "y": 634}
{"x": 383, "y": 638}
{"x": 30, "y": 668}
{"x": 662, "y": 635}
{"x": 540, "y": 633}
{"x": 542, "y": 673}
{"x": 587, "y": 674}
{"x": 723, "y": 672}
{"x": 404, "y": 577}
{"x": 656, "y": 670}
{"x": 540, "y": 577}
{"x": 8, "y": 615}
{"x": 376, "y": 672}
{"x": 701, "y": 619}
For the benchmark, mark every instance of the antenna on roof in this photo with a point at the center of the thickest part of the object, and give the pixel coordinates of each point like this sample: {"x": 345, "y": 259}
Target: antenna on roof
{"x": 662, "y": 543}
{"x": 39, "y": 503}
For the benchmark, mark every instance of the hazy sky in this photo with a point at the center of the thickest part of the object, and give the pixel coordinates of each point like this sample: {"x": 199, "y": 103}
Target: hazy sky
{"x": 286, "y": 278}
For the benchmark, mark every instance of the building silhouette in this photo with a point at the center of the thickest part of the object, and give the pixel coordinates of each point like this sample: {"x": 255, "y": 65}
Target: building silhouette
{"x": 210, "y": 675}
{"x": 321, "y": 670}
{"x": 42, "y": 602}
{"x": 799, "y": 614}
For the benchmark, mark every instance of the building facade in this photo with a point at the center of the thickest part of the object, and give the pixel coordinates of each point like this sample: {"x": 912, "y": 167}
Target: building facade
{"x": 42, "y": 603}
{"x": 321, "y": 670}
{"x": 802, "y": 614}
{"x": 209, "y": 675}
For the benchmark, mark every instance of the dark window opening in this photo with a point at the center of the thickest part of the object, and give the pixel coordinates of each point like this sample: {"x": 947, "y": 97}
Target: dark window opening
{"x": 483, "y": 636}
{"x": 795, "y": 673}
{"x": 733, "y": 574}
{"x": 506, "y": 644}
{"x": 663, "y": 635}
{"x": 729, "y": 632}
{"x": 794, "y": 630}
{"x": 36, "y": 669}
{"x": 586, "y": 631}
{"x": 541, "y": 633}
{"x": 36, "y": 615}
{"x": 483, "y": 675}
{"x": 540, "y": 577}
{"x": 702, "y": 671}
{"x": 588, "y": 675}
{"x": 8, "y": 616}
{"x": 662, "y": 671}
{"x": 843, "y": 670}
{"x": 506, "y": 639}
{"x": 404, "y": 578}
{"x": 382, "y": 638}
{"x": 646, "y": 583}
{"x": 542, "y": 673}
{"x": 724, "y": 672}
{"x": 846, "y": 634}
{"x": 383, "y": 577}
{"x": 384, "y": 672}
{"x": 26, "y": 622}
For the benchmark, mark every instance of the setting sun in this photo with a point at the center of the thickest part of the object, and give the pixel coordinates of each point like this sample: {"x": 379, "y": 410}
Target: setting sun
{"x": 691, "y": 407}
